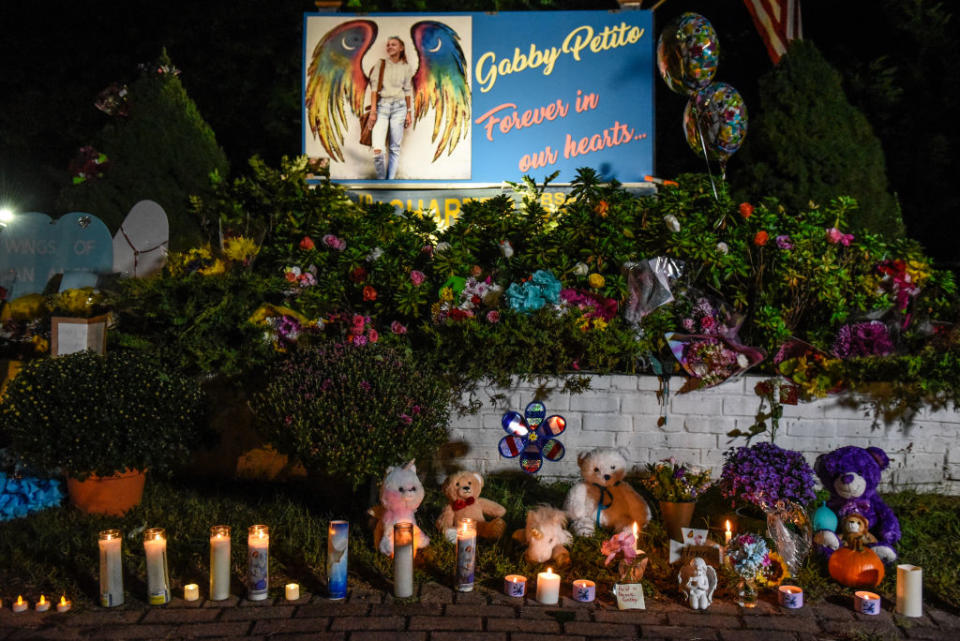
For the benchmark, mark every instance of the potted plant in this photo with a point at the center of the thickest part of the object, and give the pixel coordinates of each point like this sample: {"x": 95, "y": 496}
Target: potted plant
{"x": 676, "y": 487}
{"x": 349, "y": 410}
{"x": 102, "y": 421}
{"x": 763, "y": 475}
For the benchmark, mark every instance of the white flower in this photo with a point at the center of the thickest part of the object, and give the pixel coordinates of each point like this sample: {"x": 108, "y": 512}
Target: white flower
{"x": 672, "y": 223}
{"x": 723, "y": 248}
{"x": 581, "y": 269}
{"x": 506, "y": 248}
{"x": 442, "y": 247}
{"x": 743, "y": 361}
{"x": 374, "y": 254}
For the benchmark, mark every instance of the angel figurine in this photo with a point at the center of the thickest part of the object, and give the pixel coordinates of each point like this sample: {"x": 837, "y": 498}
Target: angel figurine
{"x": 697, "y": 582}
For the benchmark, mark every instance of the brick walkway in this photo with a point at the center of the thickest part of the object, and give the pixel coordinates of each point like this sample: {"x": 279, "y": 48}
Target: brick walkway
{"x": 483, "y": 615}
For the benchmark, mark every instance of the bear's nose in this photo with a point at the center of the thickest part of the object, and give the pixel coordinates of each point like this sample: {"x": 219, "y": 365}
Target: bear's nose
{"x": 606, "y": 477}
{"x": 848, "y": 479}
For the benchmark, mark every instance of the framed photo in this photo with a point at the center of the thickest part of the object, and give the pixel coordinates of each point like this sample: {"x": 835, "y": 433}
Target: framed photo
{"x": 69, "y": 335}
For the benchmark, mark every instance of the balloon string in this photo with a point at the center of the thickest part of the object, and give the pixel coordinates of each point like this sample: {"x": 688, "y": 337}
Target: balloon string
{"x": 706, "y": 158}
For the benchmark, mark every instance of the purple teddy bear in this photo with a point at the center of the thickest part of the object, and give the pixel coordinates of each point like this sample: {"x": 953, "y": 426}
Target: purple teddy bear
{"x": 851, "y": 475}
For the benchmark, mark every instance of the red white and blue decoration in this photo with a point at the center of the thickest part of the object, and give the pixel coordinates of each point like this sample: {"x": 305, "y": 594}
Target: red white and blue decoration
{"x": 532, "y": 437}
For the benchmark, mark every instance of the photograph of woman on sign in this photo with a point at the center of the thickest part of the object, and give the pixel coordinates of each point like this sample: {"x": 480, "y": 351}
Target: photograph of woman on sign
{"x": 422, "y": 114}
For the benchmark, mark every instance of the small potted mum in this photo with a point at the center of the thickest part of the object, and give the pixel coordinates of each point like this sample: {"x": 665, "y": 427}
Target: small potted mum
{"x": 102, "y": 421}
{"x": 676, "y": 487}
{"x": 763, "y": 474}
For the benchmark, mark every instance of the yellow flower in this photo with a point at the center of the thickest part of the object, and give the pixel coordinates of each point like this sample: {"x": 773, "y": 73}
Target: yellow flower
{"x": 240, "y": 249}
{"x": 446, "y": 294}
{"x": 596, "y": 281}
{"x": 218, "y": 267}
{"x": 775, "y": 573}
{"x": 599, "y": 324}
{"x": 27, "y": 307}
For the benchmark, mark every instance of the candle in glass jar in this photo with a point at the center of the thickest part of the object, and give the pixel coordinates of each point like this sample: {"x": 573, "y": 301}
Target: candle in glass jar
{"x": 258, "y": 562}
{"x": 548, "y": 587}
{"x": 111, "y": 568}
{"x": 158, "y": 579}
{"x": 790, "y": 596}
{"x": 291, "y": 591}
{"x": 191, "y": 592}
{"x": 584, "y": 591}
{"x": 515, "y": 585}
{"x": 63, "y": 605}
{"x": 466, "y": 554}
{"x": 403, "y": 560}
{"x": 866, "y": 602}
{"x": 338, "y": 539}
{"x": 219, "y": 562}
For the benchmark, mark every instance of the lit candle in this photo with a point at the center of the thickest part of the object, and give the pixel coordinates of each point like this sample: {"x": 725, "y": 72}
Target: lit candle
{"x": 158, "y": 579}
{"x": 548, "y": 587}
{"x": 910, "y": 590}
{"x": 111, "y": 568}
{"x": 64, "y": 605}
{"x": 514, "y": 585}
{"x": 728, "y": 534}
{"x": 338, "y": 538}
{"x": 790, "y": 596}
{"x": 466, "y": 554}
{"x": 403, "y": 560}
{"x": 636, "y": 538}
{"x": 191, "y": 592}
{"x": 42, "y": 605}
{"x": 866, "y": 602}
{"x": 20, "y": 605}
{"x": 584, "y": 591}
{"x": 258, "y": 562}
{"x": 219, "y": 562}
{"x": 292, "y": 591}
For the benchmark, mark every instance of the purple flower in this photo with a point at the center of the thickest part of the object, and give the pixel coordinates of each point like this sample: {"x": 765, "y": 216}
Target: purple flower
{"x": 764, "y": 474}
{"x": 783, "y": 242}
{"x": 398, "y": 328}
{"x": 870, "y": 338}
{"x": 365, "y": 386}
{"x": 406, "y": 419}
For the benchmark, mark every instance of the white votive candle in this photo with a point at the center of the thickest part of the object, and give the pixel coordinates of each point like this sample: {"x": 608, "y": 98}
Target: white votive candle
{"x": 466, "y": 554}
{"x": 584, "y": 591}
{"x": 111, "y": 568}
{"x": 790, "y": 596}
{"x": 158, "y": 580}
{"x": 548, "y": 587}
{"x": 866, "y": 602}
{"x": 258, "y": 562}
{"x": 20, "y": 605}
{"x": 292, "y": 591}
{"x": 219, "y": 562}
{"x": 63, "y": 605}
{"x": 191, "y": 592}
{"x": 515, "y": 585}
{"x": 403, "y": 560}
{"x": 42, "y": 605}
{"x": 910, "y": 590}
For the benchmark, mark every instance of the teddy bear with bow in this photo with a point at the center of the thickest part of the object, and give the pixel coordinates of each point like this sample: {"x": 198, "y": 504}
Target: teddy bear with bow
{"x": 851, "y": 475}
{"x": 604, "y": 499}
{"x": 463, "y": 491}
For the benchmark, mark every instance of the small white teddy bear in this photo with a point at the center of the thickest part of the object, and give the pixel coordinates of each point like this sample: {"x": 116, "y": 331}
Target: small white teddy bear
{"x": 400, "y": 495}
{"x": 603, "y": 498}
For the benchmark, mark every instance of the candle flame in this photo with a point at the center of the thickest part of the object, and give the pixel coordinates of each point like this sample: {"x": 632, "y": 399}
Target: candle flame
{"x": 728, "y": 526}
{"x": 260, "y": 534}
{"x": 156, "y": 537}
{"x": 19, "y": 599}
{"x": 41, "y": 601}
{"x": 549, "y": 570}
{"x": 63, "y": 599}
{"x": 634, "y": 529}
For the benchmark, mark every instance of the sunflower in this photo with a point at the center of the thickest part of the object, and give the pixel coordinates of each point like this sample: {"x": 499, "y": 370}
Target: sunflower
{"x": 774, "y": 573}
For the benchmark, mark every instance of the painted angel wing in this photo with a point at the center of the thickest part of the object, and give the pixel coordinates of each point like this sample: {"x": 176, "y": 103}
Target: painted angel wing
{"x": 441, "y": 82}
{"x": 335, "y": 77}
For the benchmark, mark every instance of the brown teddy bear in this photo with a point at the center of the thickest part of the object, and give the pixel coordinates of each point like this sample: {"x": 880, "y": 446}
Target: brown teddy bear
{"x": 463, "y": 489}
{"x": 854, "y": 531}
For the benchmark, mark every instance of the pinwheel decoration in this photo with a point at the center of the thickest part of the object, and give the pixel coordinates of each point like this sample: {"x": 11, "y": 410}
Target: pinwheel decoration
{"x": 532, "y": 437}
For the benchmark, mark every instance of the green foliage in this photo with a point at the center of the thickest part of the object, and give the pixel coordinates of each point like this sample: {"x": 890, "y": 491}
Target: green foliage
{"x": 348, "y": 412}
{"x": 163, "y": 151}
{"x": 85, "y": 413}
{"x": 810, "y": 144}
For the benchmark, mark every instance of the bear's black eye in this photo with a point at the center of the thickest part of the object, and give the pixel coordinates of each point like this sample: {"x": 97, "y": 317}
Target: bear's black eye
{"x": 596, "y": 469}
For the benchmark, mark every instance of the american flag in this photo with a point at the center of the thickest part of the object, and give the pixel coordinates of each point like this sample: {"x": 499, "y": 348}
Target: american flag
{"x": 778, "y": 22}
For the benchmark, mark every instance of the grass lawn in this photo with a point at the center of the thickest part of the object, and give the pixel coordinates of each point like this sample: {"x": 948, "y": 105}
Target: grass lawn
{"x": 55, "y": 551}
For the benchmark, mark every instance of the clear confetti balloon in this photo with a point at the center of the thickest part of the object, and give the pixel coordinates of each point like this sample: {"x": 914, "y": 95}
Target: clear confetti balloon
{"x": 718, "y": 114}
{"x": 687, "y": 53}
{"x": 788, "y": 525}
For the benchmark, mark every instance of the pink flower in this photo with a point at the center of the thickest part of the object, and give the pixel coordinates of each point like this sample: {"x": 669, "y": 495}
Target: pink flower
{"x": 417, "y": 277}
{"x": 427, "y": 249}
{"x": 307, "y": 279}
{"x": 835, "y": 236}
{"x": 373, "y": 335}
{"x": 333, "y": 242}
{"x": 397, "y": 328}
{"x": 306, "y": 244}
{"x": 622, "y": 542}
{"x": 493, "y": 317}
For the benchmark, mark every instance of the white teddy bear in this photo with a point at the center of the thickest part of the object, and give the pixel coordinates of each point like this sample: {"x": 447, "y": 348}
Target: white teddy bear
{"x": 400, "y": 495}
{"x": 603, "y": 498}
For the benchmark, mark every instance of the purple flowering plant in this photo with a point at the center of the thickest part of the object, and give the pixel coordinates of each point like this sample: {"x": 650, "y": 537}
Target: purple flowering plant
{"x": 764, "y": 473}
{"x": 870, "y": 338}
{"x": 670, "y": 480}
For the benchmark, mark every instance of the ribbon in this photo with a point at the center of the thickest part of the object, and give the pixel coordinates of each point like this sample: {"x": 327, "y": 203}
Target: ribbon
{"x": 459, "y": 504}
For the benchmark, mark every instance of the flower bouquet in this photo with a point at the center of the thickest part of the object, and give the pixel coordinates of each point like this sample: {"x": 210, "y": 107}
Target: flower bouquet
{"x": 812, "y": 370}
{"x": 763, "y": 474}
{"x": 748, "y": 555}
{"x": 669, "y": 480}
{"x": 634, "y": 561}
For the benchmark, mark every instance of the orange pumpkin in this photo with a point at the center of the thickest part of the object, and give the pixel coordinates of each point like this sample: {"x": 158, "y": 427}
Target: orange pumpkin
{"x": 858, "y": 567}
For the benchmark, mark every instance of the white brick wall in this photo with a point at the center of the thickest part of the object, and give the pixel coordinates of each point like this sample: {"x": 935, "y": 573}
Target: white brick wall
{"x": 623, "y": 411}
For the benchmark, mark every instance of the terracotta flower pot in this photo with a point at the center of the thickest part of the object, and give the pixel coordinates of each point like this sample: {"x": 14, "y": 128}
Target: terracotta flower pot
{"x": 676, "y": 515}
{"x": 112, "y": 495}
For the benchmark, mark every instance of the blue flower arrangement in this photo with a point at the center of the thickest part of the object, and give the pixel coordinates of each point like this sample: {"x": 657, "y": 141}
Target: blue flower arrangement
{"x": 21, "y": 495}
{"x": 529, "y": 296}
{"x": 748, "y": 554}
{"x": 764, "y": 474}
